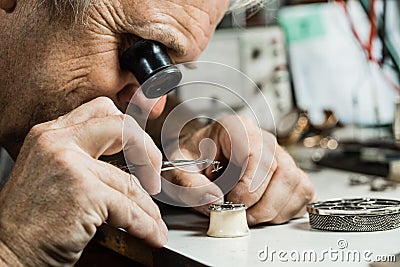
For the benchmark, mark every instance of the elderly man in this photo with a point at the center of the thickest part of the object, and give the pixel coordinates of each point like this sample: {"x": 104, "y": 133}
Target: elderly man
{"x": 62, "y": 93}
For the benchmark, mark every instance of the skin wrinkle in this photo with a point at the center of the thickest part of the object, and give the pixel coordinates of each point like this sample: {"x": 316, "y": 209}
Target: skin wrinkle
{"x": 200, "y": 45}
{"x": 15, "y": 250}
{"x": 76, "y": 10}
{"x": 78, "y": 74}
{"x": 157, "y": 32}
{"x": 176, "y": 18}
{"x": 107, "y": 17}
{"x": 203, "y": 30}
{"x": 100, "y": 27}
{"x": 201, "y": 10}
{"x": 205, "y": 35}
{"x": 76, "y": 82}
{"x": 136, "y": 23}
{"x": 187, "y": 30}
{"x": 171, "y": 39}
{"x": 80, "y": 58}
{"x": 154, "y": 29}
{"x": 101, "y": 210}
{"x": 193, "y": 19}
{"x": 87, "y": 59}
{"x": 99, "y": 15}
{"x": 293, "y": 189}
{"x": 119, "y": 15}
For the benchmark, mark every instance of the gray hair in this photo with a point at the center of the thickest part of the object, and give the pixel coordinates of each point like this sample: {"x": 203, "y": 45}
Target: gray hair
{"x": 76, "y": 9}
{"x": 245, "y": 4}
{"x": 72, "y": 10}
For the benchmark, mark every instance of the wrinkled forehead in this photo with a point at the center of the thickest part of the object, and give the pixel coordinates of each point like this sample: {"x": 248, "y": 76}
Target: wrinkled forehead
{"x": 76, "y": 9}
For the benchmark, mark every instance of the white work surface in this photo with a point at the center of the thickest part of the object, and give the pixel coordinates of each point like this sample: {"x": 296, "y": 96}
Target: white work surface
{"x": 187, "y": 234}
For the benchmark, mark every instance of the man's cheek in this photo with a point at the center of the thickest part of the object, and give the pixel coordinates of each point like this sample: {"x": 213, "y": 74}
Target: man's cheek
{"x": 158, "y": 108}
{"x": 106, "y": 74}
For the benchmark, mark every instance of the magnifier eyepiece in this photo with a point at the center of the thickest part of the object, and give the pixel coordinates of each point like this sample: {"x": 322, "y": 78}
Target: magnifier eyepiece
{"x": 152, "y": 67}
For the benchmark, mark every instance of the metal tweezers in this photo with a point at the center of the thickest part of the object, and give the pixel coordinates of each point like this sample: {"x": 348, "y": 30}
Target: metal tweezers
{"x": 180, "y": 163}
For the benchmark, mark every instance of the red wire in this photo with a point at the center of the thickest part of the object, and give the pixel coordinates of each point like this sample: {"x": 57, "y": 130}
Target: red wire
{"x": 368, "y": 47}
{"x": 389, "y": 81}
{"x": 352, "y": 27}
{"x": 373, "y": 30}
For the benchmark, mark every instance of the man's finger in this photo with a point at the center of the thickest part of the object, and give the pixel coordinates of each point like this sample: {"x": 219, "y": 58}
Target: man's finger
{"x": 295, "y": 207}
{"x": 191, "y": 187}
{"x": 273, "y": 201}
{"x": 242, "y": 193}
{"x": 140, "y": 150}
{"x": 124, "y": 213}
{"x": 285, "y": 196}
{"x": 194, "y": 190}
{"x": 257, "y": 170}
{"x": 108, "y": 135}
{"x": 124, "y": 183}
{"x": 97, "y": 108}
{"x": 99, "y": 136}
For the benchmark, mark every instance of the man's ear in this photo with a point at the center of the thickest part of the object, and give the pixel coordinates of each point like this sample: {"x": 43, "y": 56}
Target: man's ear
{"x": 8, "y": 5}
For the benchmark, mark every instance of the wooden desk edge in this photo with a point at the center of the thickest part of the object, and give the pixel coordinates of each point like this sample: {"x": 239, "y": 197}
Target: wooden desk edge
{"x": 135, "y": 249}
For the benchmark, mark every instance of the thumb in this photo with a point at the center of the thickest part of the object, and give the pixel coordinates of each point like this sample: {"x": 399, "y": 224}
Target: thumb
{"x": 192, "y": 189}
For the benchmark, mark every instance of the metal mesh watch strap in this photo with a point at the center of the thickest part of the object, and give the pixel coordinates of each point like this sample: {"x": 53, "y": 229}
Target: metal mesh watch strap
{"x": 355, "y": 223}
{"x": 357, "y": 214}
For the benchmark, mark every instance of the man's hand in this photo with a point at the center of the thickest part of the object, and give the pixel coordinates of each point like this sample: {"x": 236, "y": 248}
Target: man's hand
{"x": 263, "y": 176}
{"x": 58, "y": 192}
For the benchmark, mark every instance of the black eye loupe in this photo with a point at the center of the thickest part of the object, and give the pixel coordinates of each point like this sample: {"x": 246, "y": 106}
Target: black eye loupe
{"x": 152, "y": 67}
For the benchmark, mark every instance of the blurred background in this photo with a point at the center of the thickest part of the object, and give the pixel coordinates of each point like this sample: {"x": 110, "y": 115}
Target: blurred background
{"x": 330, "y": 72}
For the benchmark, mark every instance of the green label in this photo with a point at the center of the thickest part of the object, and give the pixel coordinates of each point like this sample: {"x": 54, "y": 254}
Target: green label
{"x": 302, "y": 23}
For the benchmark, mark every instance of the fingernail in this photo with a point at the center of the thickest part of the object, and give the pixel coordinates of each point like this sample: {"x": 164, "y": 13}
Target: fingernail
{"x": 164, "y": 231}
{"x": 157, "y": 189}
{"x": 209, "y": 198}
{"x": 164, "y": 227}
{"x": 251, "y": 220}
{"x": 164, "y": 239}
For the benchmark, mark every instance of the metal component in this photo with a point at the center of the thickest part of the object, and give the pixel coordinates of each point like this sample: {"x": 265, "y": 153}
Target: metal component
{"x": 356, "y": 179}
{"x": 379, "y": 184}
{"x": 180, "y": 163}
{"x": 376, "y": 183}
{"x": 216, "y": 166}
{"x": 357, "y": 214}
{"x": 227, "y": 206}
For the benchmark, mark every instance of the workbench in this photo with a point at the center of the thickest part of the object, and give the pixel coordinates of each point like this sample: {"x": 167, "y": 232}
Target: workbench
{"x": 188, "y": 244}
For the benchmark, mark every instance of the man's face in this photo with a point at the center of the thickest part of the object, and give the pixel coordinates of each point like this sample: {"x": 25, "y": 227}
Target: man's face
{"x": 48, "y": 69}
